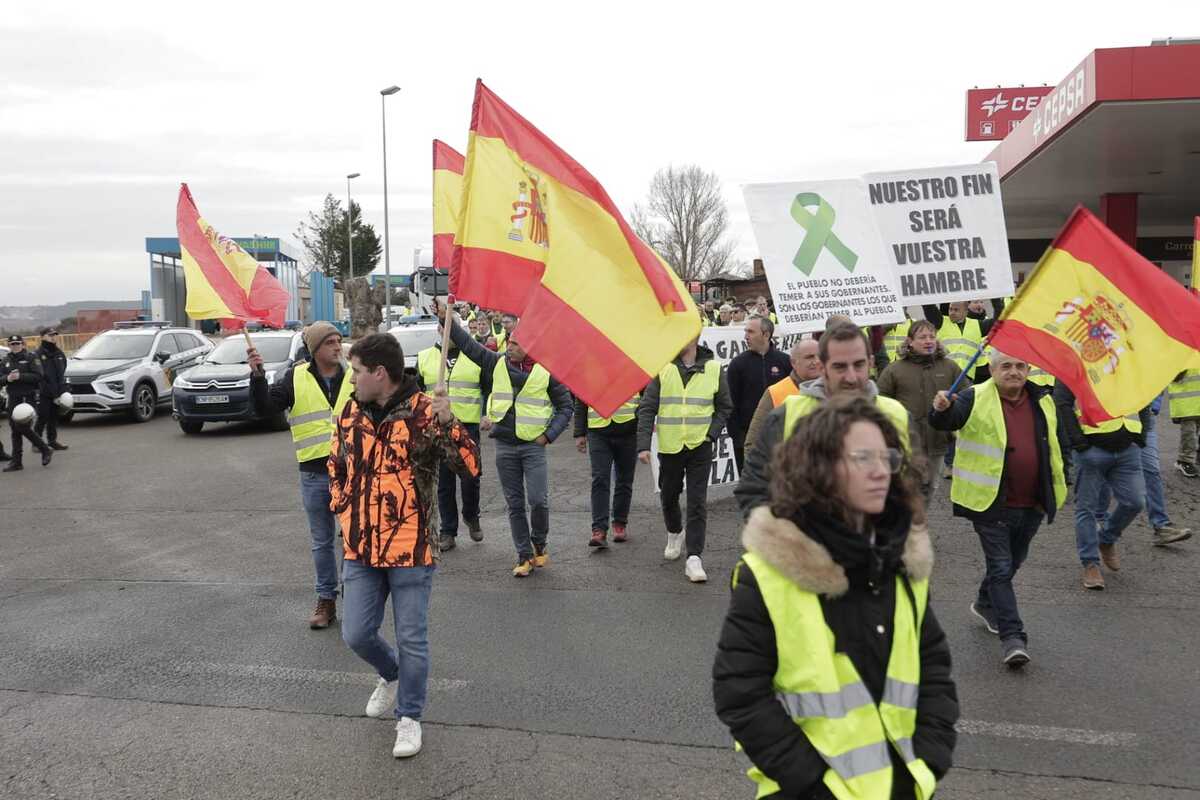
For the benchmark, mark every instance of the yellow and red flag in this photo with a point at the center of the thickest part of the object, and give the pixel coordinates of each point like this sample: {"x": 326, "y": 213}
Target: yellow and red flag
{"x": 540, "y": 238}
{"x": 223, "y": 281}
{"x": 1099, "y": 317}
{"x": 447, "y": 200}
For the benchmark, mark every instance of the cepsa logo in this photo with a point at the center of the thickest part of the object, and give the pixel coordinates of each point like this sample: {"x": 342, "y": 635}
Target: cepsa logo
{"x": 992, "y": 113}
{"x": 1067, "y": 100}
{"x": 1018, "y": 104}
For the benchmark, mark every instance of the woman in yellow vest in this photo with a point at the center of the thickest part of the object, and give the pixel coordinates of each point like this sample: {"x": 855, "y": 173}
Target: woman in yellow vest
{"x": 832, "y": 672}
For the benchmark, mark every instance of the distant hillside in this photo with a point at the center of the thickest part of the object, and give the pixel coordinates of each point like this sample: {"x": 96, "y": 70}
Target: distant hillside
{"x": 26, "y": 319}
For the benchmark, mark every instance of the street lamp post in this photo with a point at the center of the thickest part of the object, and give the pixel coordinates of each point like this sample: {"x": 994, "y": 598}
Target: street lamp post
{"x": 387, "y": 256}
{"x": 350, "y": 241}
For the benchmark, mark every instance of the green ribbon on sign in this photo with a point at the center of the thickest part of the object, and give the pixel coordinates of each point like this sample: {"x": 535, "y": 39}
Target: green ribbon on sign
{"x": 819, "y": 234}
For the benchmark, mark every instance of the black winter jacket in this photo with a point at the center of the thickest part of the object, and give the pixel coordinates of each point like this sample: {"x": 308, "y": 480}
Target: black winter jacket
{"x": 29, "y": 380}
{"x": 857, "y": 588}
{"x": 956, "y": 416}
{"x": 749, "y": 375}
{"x": 648, "y": 407}
{"x": 54, "y": 370}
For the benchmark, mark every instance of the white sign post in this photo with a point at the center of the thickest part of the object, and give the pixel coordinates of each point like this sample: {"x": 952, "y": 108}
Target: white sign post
{"x": 822, "y": 254}
{"x": 943, "y": 232}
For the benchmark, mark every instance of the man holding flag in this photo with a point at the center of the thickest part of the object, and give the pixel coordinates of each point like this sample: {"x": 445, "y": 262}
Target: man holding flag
{"x": 1114, "y": 330}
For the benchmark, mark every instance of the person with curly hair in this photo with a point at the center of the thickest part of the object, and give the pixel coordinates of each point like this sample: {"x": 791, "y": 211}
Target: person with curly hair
{"x": 832, "y": 672}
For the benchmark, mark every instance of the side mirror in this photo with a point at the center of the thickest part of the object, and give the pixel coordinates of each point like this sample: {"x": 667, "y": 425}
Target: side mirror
{"x": 161, "y": 356}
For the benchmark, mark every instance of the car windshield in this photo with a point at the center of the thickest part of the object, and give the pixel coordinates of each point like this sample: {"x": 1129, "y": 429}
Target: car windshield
{"x": 116, "y": 347}
{"x": 233, "y": 349}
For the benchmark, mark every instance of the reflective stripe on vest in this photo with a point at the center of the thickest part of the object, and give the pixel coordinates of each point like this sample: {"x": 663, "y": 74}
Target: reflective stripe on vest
{"x": 685, "y": 412}
{"x": 626, "y": 413}
{"x": 894, "y": 338}
{"x": 824, "y": 694}
{"x": 1183, "y": 396}
{"x": 983, "y": 442}
{"x": 782, "y": 390}
{"x": 801, "y": 405}
{"x": 1040, "y": 376}
{"x": 462, "y": 385}
{"x": 961, "y": 345}
{"x": 311, "y": 417}
{"x": 533, "y": 408}
{"x": 1130, "y": 422}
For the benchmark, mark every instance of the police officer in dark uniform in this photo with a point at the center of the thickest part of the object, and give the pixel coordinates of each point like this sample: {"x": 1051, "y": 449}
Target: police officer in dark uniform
{"x": 54, "y": 383}
{"x": 22, "y": 375}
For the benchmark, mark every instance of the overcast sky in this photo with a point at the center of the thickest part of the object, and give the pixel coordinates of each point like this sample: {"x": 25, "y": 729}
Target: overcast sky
{"x": 264, "y": 108}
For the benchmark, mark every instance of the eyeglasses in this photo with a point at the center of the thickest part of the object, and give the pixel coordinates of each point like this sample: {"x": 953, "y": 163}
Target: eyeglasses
{"x": 890, "y": 459}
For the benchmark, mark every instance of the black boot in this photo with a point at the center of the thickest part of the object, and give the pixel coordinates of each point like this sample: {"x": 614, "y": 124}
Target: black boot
{"x": 13, "y": 466}
{"x": 46, "y": 454}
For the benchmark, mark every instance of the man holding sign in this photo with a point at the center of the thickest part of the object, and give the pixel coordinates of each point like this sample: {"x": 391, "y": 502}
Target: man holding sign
{"x": 690, "y": 400}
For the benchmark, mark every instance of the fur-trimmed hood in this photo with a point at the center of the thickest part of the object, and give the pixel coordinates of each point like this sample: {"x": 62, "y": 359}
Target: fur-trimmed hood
{"x": 808, "y": 564}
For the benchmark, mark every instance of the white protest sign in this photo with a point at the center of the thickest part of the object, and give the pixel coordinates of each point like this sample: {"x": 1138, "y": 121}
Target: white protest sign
{"x": 943, "y": 232}
{"x": 822, "y": 253}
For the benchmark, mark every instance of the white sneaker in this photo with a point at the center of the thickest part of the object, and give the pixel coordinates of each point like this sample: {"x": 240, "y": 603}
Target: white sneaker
{"x": 408, "y": 738}
{"x": 694, "y": 570}
{"x": 674, "y": 546}
{"x": 383, "y": 699}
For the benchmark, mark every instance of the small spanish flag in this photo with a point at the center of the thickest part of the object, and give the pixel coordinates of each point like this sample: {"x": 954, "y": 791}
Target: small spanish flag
{"x": 1096, "y": 315}
{"x": 447, "y": 200}
{"x": 223, "y": 280}
{"x": 540, "y": 238}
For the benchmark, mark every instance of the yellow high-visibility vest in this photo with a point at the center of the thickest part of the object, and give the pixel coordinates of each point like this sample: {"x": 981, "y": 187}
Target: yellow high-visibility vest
{"x": 685, "y": 412}
{"x": 626, "y": 413}
{"x": 533, "y": 408}
{"x": 311, "y": 417}
{"x": 462, "y": 384}
{"x": 1183, "y": 395}
{"x": 961, "y": 345}
{"x": 801, "y": 405}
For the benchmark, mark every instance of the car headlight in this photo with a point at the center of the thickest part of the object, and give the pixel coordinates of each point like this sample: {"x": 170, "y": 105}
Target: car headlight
{"x": 242, "y": 384}
{"x": 116, "y": 386}
{"x": 183, "y": 383}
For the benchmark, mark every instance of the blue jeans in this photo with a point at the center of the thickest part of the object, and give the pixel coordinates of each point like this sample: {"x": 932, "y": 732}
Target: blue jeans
{"x": 314, "y": 491}
{"x": 1005, "y": 540}
{"x": 609, "y": 454}
{"x": 522, "y": 472}
{"x": 1156, "y": 502}
{"x": 1099, "y": 469}
{"x": 367, "y": 590}
{"x": 448, "y": 501}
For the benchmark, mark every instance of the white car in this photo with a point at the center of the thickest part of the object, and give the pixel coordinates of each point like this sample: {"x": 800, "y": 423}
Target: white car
{"x": 415, "y": 333}
{"x": 131, "y": 368}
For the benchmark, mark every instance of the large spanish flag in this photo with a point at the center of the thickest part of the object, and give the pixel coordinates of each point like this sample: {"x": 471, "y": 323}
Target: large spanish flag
{"x": 1111, "y": 325}
{"x": 223, "y": 281}
{"x": 447, "y": 200}
{"x": 540, "y": 238}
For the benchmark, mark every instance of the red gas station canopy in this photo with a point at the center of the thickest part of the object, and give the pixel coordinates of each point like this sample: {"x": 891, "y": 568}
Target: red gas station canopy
{"x": 1125, "y": 121}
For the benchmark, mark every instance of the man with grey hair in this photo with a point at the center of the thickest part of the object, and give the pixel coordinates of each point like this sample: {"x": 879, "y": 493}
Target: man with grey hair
{"x": 749, "y": 375}
{"x": 724, "y": 315}
{"x": 1008, "y": 476}
{"x": 805, "y": 359}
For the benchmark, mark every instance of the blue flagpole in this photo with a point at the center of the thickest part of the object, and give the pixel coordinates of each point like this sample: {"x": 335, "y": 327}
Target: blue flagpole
{"x": 967, "y": 368}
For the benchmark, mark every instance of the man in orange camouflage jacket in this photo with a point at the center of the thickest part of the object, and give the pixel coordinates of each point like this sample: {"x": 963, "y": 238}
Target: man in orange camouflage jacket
{"x": 383, "y": 466}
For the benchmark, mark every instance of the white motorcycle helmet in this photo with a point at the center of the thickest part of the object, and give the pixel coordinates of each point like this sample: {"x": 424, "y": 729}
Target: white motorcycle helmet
{"x": 24, "y": 415}
{"x": 65, "y": 401}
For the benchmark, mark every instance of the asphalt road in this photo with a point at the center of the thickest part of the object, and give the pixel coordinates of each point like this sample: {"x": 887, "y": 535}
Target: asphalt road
{"x": 154, "y": 592}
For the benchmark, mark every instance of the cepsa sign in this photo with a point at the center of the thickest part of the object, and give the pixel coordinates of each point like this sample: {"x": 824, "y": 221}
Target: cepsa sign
{"x": 992, "y": 113}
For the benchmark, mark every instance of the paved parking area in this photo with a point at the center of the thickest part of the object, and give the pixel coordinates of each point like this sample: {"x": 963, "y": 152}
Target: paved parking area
{"x": 155, "y": 587}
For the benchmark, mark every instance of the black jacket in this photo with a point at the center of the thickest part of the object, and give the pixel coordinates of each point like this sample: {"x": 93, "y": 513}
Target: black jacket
{"x": 280, "y": 396}
{"x": 506, "y": 429}
{"x": 857, "y": 588}
{"x": 1114, "y": 442}
{"x": 956, "y": 416}
{"x": 749, "y": 375}
{"x": 29, "y": 382}
{"x": 54, "y": 370}
{"x": 648, "y": 407}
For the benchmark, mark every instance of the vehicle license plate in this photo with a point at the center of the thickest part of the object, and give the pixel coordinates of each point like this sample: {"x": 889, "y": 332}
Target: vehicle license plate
{"x": 212, "y": 399}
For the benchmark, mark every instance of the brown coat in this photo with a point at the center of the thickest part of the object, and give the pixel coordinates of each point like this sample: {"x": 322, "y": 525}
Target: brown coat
{"x": 913, "y": 380}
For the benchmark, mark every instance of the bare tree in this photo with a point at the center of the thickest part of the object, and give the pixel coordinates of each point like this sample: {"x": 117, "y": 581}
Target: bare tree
{"x": 686, "y": 222}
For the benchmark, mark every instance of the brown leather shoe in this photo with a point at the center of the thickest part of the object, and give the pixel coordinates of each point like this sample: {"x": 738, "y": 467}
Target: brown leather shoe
{"x": 324, "y": 614}
{"x": 1092, "y": 578}
{"x": 1110, "y": 556}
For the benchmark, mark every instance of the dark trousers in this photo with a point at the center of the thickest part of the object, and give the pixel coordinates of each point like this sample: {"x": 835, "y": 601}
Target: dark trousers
{"x": 22, "y": 432}
{"x": 447, "y": 498}
{"x": 609, "y": 453}
{"x": 694, "y": 465}
{"x": 47, "y": 419}
{"x": 738, "y": 435}
{"x": 1005, "y": 540}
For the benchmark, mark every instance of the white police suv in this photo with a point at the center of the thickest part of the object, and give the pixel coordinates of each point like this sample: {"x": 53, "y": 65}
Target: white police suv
{"x": 131, "y": 368}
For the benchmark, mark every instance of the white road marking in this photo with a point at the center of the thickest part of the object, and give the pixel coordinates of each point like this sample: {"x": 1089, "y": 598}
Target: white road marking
{"x": 1047, "y": 733}
{"x": 297, "y": 675}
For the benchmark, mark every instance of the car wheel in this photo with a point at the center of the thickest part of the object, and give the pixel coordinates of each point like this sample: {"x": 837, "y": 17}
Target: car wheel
{"x": 144, "y": 403}
{"x": 189, "y": 426}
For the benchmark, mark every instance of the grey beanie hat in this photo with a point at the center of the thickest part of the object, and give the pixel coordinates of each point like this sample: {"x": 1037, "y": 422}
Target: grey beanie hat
{"x": 316, "y": 334}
